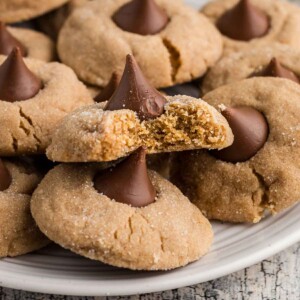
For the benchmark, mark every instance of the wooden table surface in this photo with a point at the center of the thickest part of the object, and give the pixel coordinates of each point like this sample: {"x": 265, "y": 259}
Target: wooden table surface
{"x": 276, "y": 278}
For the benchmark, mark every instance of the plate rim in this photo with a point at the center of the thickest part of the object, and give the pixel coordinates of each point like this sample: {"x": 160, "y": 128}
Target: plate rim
{"x": 40, "y": 285}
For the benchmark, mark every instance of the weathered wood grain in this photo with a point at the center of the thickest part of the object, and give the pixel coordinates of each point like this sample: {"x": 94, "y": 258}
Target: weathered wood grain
{"x": 276, "y": 278}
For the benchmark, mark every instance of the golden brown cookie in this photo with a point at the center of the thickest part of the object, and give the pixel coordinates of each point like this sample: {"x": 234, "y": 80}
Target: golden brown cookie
{"x": 166, "y": 234}
{"x": 20, "y": 10}
{"x": 18, "y": 231}
{"x": 137, "y": 115}
{"x": 283, "y": 22}
{"x": 92, "y": 134}
{"x": 43, "y": 94}
{"x": 37, "y": 45}
{"x": 269, "y": 180}
{"x": 249, "y": 63}
{"x": 181, "y": 51}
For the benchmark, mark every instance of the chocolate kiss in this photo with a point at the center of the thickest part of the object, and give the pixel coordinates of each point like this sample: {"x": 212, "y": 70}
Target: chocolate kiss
{"x": 243, "y": 22}
{"x": 142, "y": 17}
{"x": 17, "y": 82}
{"x": 250, "y": 130}
{"x": 134, "y": 92}
{"x": 5, "y": 177}
{"x": 8, "y": 42}
{"x": 127, "y": 182}
{"x": 108, "y": 91}
{"x": 276, "y": 69}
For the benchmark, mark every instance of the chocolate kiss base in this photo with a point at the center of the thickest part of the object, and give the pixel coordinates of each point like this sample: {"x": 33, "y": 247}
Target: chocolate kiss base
{"x": 135, "y": 93}
{"x": 250, "y": 130}
{"x": 276, "y": 69}
{"x": 108, "y": 91}
{"x": 244, "y": 22}
{"x": 127, "y": 182}
{"x": 17, "y": 82}
{"x": 8, "y": 42}
{"x": 141, "y": 17}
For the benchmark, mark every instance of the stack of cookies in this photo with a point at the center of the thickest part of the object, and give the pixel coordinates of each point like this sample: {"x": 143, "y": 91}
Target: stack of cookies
{"x": 143, "y": 163}
{"x": 34, "y": 97}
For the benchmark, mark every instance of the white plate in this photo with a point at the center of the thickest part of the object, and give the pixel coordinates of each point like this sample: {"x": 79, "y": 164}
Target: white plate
{"x": 57, "y": 271}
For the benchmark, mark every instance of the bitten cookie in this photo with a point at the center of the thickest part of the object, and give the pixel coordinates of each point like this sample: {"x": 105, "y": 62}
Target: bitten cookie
{"x": 129, "y": 218}
{"x": 33, "y": 44}
{"x": 276, "y": 61}
{"x": 171, "y": 42}
{"x": 18, "y": 231}
{"x": 138, "y": 115}
{"x": 20, "y": 10}
{"x": 35, "y": 96}
{"x": 252, "y": 23}
{"x": 261, "y": 170}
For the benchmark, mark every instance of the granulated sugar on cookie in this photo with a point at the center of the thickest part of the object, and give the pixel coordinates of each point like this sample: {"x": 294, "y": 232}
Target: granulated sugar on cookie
{"x": 138, "y": 115}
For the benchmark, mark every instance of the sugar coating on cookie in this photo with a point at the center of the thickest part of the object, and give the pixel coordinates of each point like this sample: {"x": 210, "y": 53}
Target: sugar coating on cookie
{"x": 91, "y": 134}
{"x": 244, "y": 191}
{"x": 180, "y": 52}
{"x": 169, "y": 233}
{"x": 284, "y": 21}
{"x": 249, "y": 63}
{"x": 26, "y": 126}
{"x": 18, "y": 232}
{"x": 12, "y": 11}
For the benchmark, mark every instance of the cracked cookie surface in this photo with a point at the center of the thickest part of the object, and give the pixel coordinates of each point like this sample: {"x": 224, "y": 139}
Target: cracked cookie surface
{"x": 169, "y": 233}
{"x": 38, "y": 45}
{"x": 182, "y": 51}
{"x": 269, "y": 181}
{"x": 20, "y": 10}
{"x": 26, "y": 126}
{"x": 92, "y": 134}
{"x": 245, "y": 64}
{"x": 284, "y": 23}
{"x": 18, "y": 232}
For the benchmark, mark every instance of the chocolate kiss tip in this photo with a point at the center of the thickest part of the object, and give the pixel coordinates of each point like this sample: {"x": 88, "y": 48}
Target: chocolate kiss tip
{"x": 250, "y": 130}
{"x": 8, "y": 42}
{"x": 17, "y": 82}
{"x": 135, "y": 92}
{"x": 109, "y": 89}
{"x": 5, "y": 177}
{"x": 276, "y": 69}
{"x": 142, "y": 17}
{"x": 244, "y": 22}
{"x": 127, "y": 182}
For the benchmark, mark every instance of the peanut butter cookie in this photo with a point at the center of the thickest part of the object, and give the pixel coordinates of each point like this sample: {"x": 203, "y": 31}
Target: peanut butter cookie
{"x": 129, "y": 218}
{"x": 260, "y": 171}
{"x": 138, "y": 115}
{"x": 276, "y": 60}
{"x": 252, "y": 23}
{"x": 18, "y": 231}
{"x": 35, "y": 96}
{"x": 171, "y": 42}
